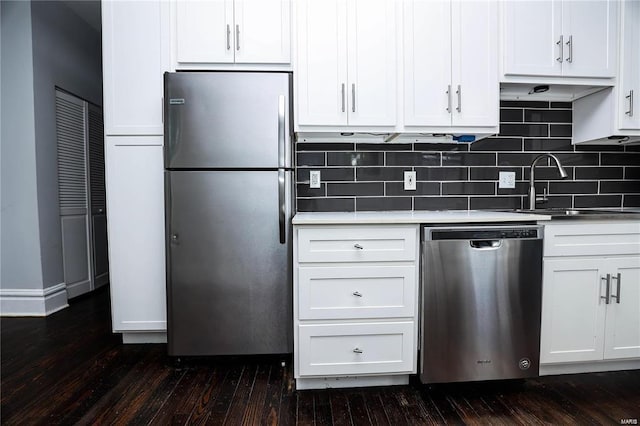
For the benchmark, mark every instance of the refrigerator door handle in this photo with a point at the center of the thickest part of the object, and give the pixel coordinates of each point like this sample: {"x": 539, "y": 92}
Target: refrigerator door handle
{"x": 282, "y": 205}
{"x": 281, "y": 136}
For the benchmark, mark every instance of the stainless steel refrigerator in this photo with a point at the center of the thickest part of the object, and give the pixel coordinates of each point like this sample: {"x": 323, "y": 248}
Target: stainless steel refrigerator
{"x": 228, "y": 187}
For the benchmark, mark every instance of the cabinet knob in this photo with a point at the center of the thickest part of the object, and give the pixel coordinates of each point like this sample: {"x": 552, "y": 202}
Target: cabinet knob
{"x": 357, "y": 351}
{"x": 358, "y": 246}
{"x": 357, "y": 294}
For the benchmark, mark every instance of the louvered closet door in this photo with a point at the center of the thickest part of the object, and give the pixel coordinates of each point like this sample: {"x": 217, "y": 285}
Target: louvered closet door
{"x": 73, "y": 193}
{"x": 97, "y": 196}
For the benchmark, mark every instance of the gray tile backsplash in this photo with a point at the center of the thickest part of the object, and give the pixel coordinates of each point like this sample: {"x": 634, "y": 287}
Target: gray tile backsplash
{"x": 368, "y": 176}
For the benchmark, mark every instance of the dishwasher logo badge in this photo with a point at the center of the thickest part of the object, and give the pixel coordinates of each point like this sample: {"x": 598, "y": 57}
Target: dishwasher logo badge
{"x": 524, "y": 363}
{"x": 483, "y": 361}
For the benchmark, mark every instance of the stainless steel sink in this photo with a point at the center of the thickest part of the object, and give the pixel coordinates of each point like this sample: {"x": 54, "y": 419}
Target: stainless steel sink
{"x": 594, "y": 214}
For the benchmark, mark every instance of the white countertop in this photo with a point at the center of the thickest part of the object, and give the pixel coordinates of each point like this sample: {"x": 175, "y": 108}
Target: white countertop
{"x": 420, "y": 216}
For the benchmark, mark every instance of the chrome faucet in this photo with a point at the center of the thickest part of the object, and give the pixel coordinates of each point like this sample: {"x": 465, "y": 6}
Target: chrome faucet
{"x": 532, "y": 189}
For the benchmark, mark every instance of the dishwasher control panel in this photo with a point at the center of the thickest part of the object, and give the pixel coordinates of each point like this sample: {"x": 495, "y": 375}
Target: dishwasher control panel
{"x": 483, "y": 233}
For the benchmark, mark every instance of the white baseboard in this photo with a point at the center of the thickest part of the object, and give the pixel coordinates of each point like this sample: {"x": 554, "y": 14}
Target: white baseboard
{"x": 101, "y": 280}
{"x": 351, "y": 382}
{"x": 33, "y": 303}
{"x": 589, "y": 367}
{"x": 78, "y": 289}
{"x": 144, "y": 337}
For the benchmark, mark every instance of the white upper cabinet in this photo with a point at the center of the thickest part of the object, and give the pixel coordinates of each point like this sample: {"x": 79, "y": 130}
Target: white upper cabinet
{"x": 228, "y": 31}
{"x": 629, "y": 79}
{"x": 531, "y": 37}
{"x": 204, "y": 31}
{"x": 612, "y": 116}
{"x": 427, "y": 82}
{"x": 570, "y": 38}
{"x": 450, "y": 63}
{"x": 346, "y": 63}
{"x": 135, "y": 54}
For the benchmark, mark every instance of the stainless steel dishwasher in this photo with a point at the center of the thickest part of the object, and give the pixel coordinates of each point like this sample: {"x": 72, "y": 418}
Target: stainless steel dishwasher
{"x": 481, "y": 302}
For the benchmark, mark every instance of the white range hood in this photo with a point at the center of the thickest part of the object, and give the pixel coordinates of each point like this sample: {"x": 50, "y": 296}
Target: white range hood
{"x": 553, "y": 92}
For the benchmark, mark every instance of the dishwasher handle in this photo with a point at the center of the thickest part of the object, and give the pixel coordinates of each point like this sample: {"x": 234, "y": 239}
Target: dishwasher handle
{"x": 485, "y": 244}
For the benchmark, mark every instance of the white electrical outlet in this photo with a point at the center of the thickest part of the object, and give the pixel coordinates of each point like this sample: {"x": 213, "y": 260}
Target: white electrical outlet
{"x": 409, "y": 181}
{"x": 314, "y": 179}
{"x": 507, "y": 180}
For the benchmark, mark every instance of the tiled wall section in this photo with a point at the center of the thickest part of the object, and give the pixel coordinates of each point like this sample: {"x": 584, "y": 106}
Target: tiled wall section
{"x": 369, "y": 176}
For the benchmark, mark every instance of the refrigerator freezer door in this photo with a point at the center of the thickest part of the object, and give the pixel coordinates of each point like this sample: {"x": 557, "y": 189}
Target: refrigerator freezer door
{"x": 229, "y": 277}
{"x": 235, "y": 120}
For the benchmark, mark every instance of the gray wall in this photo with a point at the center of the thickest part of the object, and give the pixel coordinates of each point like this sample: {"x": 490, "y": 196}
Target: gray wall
{"x": 67, "y": 53}
{"x": 19, "y": 228}
{"x": 44, "y": 45}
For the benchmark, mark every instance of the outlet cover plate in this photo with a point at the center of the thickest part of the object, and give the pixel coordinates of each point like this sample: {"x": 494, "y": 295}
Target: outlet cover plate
{"x": 410, "y": 181}
{"x": 507, "y": 180}
{"x": 314, "y": 179}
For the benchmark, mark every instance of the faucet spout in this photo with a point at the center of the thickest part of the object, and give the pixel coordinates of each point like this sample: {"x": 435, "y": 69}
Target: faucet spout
{"x": 532, "y": 189}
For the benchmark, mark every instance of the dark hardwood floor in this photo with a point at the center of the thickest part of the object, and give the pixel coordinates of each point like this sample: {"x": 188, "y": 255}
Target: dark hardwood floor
{"x": 69, "y": 368}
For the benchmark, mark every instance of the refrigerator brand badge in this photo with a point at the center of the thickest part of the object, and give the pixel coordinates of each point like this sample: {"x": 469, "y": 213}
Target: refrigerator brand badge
{"x": 179, "y": 101}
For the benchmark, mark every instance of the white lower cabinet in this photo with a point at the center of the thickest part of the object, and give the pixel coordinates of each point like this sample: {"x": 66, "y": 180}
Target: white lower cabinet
{"x": 591, "y": 301}
{"x": 355, "y": 311}
{"x": 135, "y": 202}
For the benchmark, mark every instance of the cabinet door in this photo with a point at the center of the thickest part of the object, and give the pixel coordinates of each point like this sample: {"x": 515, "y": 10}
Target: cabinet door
{"x": 372, "y": 62}
{"x": 204, "y": 31}
{"x": 427, "y": 63}
{"x": 629, "y": 97}
{"x": 572, "y": 310}
{"x": 590, "y": 37}
{"x": 135, "y": 54}
{"x": 532, "y": 31}
{"x": 262, "y": 31}
{"x": 135, "y": 203}
{"x": 321, "y": 76}
{"x": 475, "y": 87}
{"x": 622, "y": 337}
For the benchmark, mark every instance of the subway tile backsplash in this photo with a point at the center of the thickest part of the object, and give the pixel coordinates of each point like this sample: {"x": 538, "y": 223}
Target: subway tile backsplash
{"x": 369, "y": 176}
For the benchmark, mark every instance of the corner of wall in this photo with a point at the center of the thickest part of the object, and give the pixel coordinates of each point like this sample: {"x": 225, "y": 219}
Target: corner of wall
{"x": 33, "y": 303}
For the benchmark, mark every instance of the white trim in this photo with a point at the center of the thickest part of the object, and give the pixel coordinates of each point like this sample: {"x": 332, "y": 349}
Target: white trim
{"x": 351, "y": 382}
{"x": 78, "y": 288}
{"x": 101, "y": 280}
{"x": 16, "y": 302}
{"x": 589, "y": 367}
{"x": 140, "y": 326}
{"x": 133, "y": 338}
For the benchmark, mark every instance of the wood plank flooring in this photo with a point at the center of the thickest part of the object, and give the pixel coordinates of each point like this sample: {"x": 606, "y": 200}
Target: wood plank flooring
{"x": 70, "y": 369}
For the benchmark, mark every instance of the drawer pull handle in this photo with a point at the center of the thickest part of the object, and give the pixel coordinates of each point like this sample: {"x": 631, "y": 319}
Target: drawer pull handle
{"x": 357, "y": 294}
{"x": 358, "y": 246}
{"x": 357, "y": 351}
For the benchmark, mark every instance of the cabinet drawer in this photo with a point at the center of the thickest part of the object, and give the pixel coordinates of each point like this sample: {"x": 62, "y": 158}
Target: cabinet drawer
{"x": 592, "y": 239}
{"x": 357, "y": 244}
{"x": 356, "y": 349}
{"x": 356, "y": 292}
